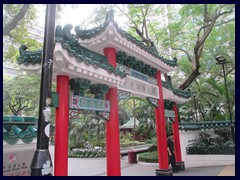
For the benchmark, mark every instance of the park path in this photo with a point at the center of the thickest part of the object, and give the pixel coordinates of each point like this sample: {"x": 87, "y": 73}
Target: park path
{"x": 97, "y": 167}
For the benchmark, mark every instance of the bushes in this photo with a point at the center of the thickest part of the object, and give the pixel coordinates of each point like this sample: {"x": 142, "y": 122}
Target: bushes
{"x": 126, "y": 140}
{"x": 87, "y": 153}
{"x": 206, "y": 144}
{"x": 130, "y": 143}
{"x": 151, "y": 157}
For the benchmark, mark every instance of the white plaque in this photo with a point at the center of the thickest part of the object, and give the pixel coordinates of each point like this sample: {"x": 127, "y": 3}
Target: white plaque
{"x": 169, "y": 113}
{"x": 140, "y": 87}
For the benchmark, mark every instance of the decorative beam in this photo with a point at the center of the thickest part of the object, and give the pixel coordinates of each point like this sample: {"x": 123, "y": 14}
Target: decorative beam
{"x": 122, "y": 95}
{"x": 83, "y": 103}
{"x": 152, "y": 101}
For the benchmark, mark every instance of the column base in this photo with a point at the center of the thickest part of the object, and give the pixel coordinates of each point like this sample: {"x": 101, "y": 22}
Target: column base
{"x": 180, "y": 166}
{"x": 164, "y": 172}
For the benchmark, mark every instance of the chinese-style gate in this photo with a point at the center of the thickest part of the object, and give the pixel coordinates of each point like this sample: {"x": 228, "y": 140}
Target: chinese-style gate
{"x": 108, "y": 60}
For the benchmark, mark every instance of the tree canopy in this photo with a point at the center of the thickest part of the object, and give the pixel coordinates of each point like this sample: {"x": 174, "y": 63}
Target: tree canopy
{"x": 194, "y": 33}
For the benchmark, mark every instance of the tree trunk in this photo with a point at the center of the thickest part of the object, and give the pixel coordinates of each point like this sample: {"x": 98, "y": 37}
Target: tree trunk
{"x": 190, "y": 79}
{"x": 13, "y": 24}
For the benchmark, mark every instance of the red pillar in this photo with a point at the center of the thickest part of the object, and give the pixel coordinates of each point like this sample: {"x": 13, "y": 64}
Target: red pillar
{"x": 112, "y": 125}
{"x": 176, "y": 136}
{"x": 61, "y": 128}
{"x": 161, "y": 128}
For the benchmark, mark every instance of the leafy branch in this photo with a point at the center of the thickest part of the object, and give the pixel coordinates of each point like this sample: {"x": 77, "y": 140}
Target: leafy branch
{"x": 202, "y": 35}
{"x": 15, "y": 21}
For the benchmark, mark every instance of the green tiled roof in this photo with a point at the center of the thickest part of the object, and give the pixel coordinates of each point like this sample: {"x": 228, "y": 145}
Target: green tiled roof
{"x": 137, "y": 65}
{"x": 191, "y": 126}
{"x": 74, "y": 49}
{"x": 17, "y": 127}
{"x": 178, "y": 92}
{"x": 29, "y": 57}
{"x": 83, "y": 54}
{"x": 87, "y": 34}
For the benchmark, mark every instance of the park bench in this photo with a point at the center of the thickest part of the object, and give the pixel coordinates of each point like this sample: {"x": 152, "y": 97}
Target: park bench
{"x": 134, "y": 150}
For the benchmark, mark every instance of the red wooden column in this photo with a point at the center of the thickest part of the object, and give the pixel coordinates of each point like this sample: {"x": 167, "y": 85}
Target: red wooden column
{"x": 112, "y": 125}
{"x": 161, "y": 133}
{"x": 61, "y": 127}
{"x": 177, "y": 144}
{"x": 176, "y": 135}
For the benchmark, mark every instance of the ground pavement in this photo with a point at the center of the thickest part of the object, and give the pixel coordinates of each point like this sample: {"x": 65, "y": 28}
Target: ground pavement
{"x": 97, "y": 167}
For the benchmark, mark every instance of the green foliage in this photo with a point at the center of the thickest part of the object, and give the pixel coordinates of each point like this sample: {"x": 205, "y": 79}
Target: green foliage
{"x": 126, "y": 140}
{"x": 125, "y": 137}
{"x": 144, "y": 112}
{"x": 98, "y": 17}
{"x": 87, "y": 153}
{"x": 24, "y": 86}
{"x": 224, "y": 135}
{"x": 207, "y": 140}
{"x": 176, "y": 26}
{"x": 211, "y": 99}
{"x": 86, "y": 128}
{"x": 20, "y": 34}
{"x": 185, "y": 65}
{"x": 207, "y": 144}
{"x": 151, "y": 157}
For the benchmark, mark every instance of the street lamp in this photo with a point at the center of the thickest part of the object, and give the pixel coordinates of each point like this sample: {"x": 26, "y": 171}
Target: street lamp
{"x": 194, "y": 98}
{"x": 222, "y": 60}
{"x": 42, "y": 163}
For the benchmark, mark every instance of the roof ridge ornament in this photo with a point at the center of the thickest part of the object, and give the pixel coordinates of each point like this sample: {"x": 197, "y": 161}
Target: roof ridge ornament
{"x": 67, "y": 32}
{"x": 59, "y": 33}
{"x": 34, "y": 57}
{"x": 110, "y": 15}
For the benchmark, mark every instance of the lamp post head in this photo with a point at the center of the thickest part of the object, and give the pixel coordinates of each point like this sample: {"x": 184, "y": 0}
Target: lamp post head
{"x": 220, "y": 60}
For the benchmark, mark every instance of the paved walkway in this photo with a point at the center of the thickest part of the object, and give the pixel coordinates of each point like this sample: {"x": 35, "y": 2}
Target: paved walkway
{"x": 97, "y": 167}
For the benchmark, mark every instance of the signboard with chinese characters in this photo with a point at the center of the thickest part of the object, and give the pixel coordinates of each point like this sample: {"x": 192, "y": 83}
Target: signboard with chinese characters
{"x": 83, "y": 103}
{"x": 17, "y": 163}
{"x": 140, "y": 87}
{"x": 136, "y": 74}
{"x": 169, "y": 113}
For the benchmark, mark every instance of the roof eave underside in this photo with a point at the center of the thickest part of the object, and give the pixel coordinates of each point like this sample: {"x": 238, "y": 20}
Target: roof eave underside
{"x": 169, "y": 95}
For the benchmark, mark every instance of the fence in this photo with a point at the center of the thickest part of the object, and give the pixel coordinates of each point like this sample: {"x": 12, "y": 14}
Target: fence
{"x": 225, "y": 150}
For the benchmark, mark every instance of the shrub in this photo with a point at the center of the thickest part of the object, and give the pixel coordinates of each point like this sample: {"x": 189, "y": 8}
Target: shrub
{"x": 151, "y": 157}
{"x": 86, "y": 153}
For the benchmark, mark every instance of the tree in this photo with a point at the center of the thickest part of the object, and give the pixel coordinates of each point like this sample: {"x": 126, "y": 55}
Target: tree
{"x": 140, "y": 109}
{"x": 17, "y": 18}
{"x": 17, "y": 104}
{"x": 206, "y": 17}
{"x": 12, "y": 21}
{"x": 182, "y": 32}
{"x": 22, "y": 94}
{"x": 194, "y": 34}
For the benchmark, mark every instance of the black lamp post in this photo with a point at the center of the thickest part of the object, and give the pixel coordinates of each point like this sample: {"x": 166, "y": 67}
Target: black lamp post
{"x": 42, "y": 163}
{"x": 195, "y": 105}
{"x": 221, "y": 60}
